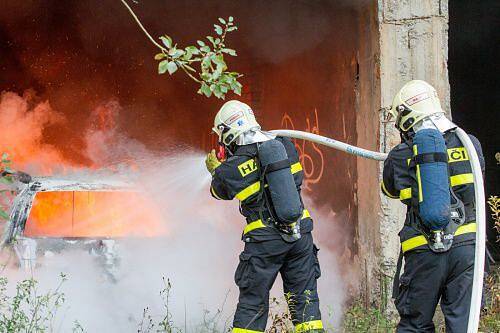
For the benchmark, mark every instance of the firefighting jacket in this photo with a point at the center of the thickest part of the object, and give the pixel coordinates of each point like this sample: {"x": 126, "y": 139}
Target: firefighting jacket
{"x": 239, "y": 177}
{"x": 399, "y": 178}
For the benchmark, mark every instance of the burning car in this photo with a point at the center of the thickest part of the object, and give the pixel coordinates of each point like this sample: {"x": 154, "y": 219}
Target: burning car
{"x": 51, "y": 215}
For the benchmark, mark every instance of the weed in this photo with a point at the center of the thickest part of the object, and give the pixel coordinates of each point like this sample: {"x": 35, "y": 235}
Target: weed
{"x": 28, "y": 311}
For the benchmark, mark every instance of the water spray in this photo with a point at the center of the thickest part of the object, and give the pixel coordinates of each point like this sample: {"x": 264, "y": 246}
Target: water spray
{"x": 477, "y": 286}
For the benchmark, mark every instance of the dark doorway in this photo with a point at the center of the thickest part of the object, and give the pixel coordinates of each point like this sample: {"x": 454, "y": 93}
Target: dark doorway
{"x": 473, "y": 69}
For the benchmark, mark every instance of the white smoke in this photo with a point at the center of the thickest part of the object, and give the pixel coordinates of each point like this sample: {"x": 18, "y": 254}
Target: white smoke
{"x": 198, "y": 255}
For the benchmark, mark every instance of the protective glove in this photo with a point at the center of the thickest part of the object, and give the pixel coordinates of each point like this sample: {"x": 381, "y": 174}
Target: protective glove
{"x": 212, "y": 162}
{"x": 23, "y": 177}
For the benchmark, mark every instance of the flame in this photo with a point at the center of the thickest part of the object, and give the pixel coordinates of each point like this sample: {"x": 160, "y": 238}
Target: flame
{"x": 79, "y": 213}
{"x": 93, "y": 215}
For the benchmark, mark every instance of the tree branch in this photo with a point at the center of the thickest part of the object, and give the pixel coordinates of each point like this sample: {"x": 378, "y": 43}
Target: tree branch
{"x": 142, "y": 27}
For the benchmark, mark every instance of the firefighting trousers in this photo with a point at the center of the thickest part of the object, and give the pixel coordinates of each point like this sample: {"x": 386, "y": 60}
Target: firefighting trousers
{"x": 257, "y": 270}
{"x": 430, "y": 278}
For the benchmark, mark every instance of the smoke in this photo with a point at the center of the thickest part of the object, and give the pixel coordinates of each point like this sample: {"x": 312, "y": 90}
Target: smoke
{"x": 21, "y": 134}
{"x": 198, "y": 254}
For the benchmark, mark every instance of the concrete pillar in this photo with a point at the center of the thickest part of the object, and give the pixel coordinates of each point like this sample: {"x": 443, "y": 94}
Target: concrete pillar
{"x": 413, "y": 40}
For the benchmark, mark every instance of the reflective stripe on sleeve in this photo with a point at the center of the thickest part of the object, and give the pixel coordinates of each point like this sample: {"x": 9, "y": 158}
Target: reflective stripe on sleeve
{"x": 384, "y": 189}
{"x": 296, "y": 167}
{"x": 309, "y": 325}
{"x": 405, "y": 194}
{"x": 420, "y": 240}
{"x": 214, "y": 193}
{"x": 248, "y": 191}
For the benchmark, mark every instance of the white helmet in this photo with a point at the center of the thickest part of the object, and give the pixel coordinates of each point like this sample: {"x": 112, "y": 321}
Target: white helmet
{"x": 233, "y": 119}
{"x": 415, "y": 101}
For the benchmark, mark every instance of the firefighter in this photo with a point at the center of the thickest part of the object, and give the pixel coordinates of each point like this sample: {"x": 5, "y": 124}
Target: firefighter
{"x": 439, "y": 259}
{"x": 273, "y": 244}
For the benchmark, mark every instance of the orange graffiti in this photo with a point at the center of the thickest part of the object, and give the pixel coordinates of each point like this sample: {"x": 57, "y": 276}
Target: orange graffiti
{"x": 313, "y": 167}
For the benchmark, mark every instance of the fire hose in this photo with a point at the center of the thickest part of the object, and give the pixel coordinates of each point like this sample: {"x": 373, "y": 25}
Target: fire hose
{"x": 480, "y": 247}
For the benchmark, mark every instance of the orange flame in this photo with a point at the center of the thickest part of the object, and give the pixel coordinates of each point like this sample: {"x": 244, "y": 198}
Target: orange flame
{"x": 93, "y": 215}
{"x": 73, "y": 214}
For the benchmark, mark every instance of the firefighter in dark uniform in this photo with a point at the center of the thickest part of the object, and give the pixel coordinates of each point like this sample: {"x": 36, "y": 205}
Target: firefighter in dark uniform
{"x": 270, "y": 247}
{"x": 430, "y": 277}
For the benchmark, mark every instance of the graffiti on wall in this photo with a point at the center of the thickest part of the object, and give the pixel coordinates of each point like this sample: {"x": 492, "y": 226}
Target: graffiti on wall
{"x": 310, "y": 154}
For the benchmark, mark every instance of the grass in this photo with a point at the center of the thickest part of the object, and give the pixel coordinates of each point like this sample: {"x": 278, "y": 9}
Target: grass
{"x": 372, "y": 319}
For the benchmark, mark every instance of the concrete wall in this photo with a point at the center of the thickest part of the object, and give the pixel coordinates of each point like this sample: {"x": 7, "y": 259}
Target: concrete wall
{"x": 400, "y": 40}
{"x": 367, "y": 127}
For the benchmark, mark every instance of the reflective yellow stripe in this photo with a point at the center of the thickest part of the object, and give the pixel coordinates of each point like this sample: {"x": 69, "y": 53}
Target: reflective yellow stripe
{"x": 417, "y": 241}
{"x": 419, "y": 181}
{"x": 462, "y": 179}
{"x": 465, "y": 178}
{"x": 309, "y": 325}
{"x": 405, "y": 193}
{"x": 413, "y": 243}
{"x": 253, "y": 225}
{"x": 214, "y": 194}
{"x": 465, "y": 229}
{"x": 259, "y": 224}
{"x": 384, "y": 189}
{"x": 244, "y": 330}
{"x": 296, "y": 167}
{"x": 248, "y": 191}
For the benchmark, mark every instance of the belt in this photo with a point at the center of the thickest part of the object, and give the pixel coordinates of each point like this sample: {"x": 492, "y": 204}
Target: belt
{"x": 417, "y": 241}
{"x": 257, "y": 224}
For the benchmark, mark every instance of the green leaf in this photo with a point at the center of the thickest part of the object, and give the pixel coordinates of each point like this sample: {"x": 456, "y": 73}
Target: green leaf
{"x": 206, "y": 76}
{"x": 177, "y": 54}
{"x": 205, "y": 48}
{"x": 229, "y": 51}
{"x": 237, "y": 90}
{"x": 221, "y": 20}
{"x": 192, "y": 49}
{"x": 231, "y": 19}
{"x": 187, "y": 55}
{"x": 172, "y": 67}
{"x": 232, "y": 28}
{"x": 205, "y": 89}
{"x": 216, "y": 74}
{"x": 219, "y": 61}
{"x": 167, "y": 41}
{"x": 212, "y": 40}
{"x": 162, "y": 66}
{"x": 6, "y": 180}
{"x": 200, "y": 42}
{"x": 218, "y": 29}
{"x": 217, "y": 92}
{"x": 4, "y": 215}
{"x": 160, "y": 56}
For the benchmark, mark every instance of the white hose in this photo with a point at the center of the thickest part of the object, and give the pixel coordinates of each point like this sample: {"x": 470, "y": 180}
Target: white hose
{"x": 477, "y": 286}
{"x": 322, "y": 140}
